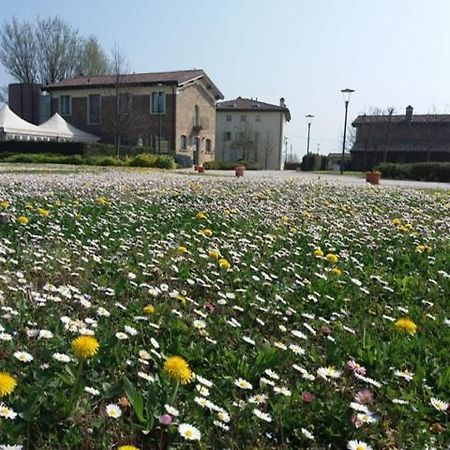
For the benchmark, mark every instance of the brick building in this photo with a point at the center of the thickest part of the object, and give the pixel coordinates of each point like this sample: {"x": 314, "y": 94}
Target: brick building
{"x": 404, "y": 138}
{"x": 170, "y": 112}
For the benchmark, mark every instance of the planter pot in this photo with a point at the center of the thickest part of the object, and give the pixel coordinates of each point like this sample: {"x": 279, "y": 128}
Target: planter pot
{"x": 373, "y": 177}
{"x": 239, "y": 171}
{"x": 200, "y": 169}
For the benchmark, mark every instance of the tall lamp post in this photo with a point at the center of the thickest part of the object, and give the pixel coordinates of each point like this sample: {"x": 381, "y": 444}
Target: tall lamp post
{"x": 346, "y": 93}
{"x": 309, "y": 118}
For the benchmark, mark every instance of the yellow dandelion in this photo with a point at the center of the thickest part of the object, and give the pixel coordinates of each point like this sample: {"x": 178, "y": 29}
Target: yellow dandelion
{"x": 224, "y": 263}
{"x": 149, "y": 309}
{"x": 332, "y": 258}
{"x": 396, "y": 221}
{"x": 214, "y": 253}
{"x": 5, "y": 204}
{"x": 101, "y": 201}
{"x": 207, "y": 232}
{"x": 178, "y": 368}
{"x": 23, "y": 220}
{"x": 318, "y": 252}
{"x": 406, "y": 325}
{"x": 201, "y": 215}
{"x": 128, "y": 447}
{"x": 85, "y": 347}
{"x": 43, "y": 212}
{"x": 182, "y": 249}
{"x": 7, "y": 384}
{"x": 336, "y": 271}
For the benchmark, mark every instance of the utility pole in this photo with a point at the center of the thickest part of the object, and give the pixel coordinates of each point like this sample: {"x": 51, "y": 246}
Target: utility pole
{"x": 346, "y": 94}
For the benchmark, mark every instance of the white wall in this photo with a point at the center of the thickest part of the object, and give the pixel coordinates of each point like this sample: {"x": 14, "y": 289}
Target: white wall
{"x": 269, "y": 131}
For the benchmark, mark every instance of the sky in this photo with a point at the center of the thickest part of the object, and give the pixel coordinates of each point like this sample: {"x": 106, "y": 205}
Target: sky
{"x": 391, "y": 52}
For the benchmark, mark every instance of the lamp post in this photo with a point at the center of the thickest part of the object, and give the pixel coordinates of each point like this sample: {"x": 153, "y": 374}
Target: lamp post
{"x": 309, "y": 117}
{"x": 346, "y": 93}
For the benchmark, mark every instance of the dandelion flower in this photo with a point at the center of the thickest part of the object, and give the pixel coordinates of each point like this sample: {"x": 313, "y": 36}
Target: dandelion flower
{"x": 23, "y": 220}
{"x": 332, "y": 258}
{"x": 214, "y": 253}
{"x": 406, "y": 325}
{"x": 182, "y": 249}
{"x": 224, "y": 264}
{"x": 178, "y": 368}
{"x": 85, "y": 347}
{"x": 43, "y": 212}
{"x": 128, "y": 447}
{"x": 318, "y": 252}
{"x": 201, "y": 215}
{"x": 7, "y": 384}
{"x": 149, "y": 309}
{"x": 189, "y": 432}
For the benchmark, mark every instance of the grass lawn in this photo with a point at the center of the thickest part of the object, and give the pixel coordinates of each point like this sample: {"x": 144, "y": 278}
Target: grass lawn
{"x": 145, "y": 310}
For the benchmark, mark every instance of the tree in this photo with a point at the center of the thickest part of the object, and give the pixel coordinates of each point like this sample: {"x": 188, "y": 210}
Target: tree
{"x": 48, "y": 51}
{"x": 4, "y": 97}
{"x": 59, "y": 50}
{"x": 121, "y": 97}
{"x": 18, "y": 50}
{"x": 246, "y": 142}
{"x": 93, "y": 61}
{"x": 268, "y": 148}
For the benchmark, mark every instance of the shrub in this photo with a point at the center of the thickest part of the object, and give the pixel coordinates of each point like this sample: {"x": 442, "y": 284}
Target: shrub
{"x": 143, "y": 160}
{"x": 311, "y": 162}
{"x": 231, "y": 165}
{"x": 431, "y": 171}
{"x": 165, "y": 162}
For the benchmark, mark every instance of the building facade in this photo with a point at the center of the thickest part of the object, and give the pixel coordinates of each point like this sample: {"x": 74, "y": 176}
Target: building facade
{"x": 251, "y": 131}
{"x": 169, "y": 112}
{"x": 407, "y": 138}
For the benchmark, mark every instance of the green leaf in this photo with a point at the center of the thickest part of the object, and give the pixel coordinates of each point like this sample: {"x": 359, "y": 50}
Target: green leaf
{"x": 135, "y": 398}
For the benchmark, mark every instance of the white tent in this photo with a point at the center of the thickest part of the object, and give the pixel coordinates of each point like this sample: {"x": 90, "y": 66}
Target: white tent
{"x": 59, "y": 129}
{"x": 13, "y": 127}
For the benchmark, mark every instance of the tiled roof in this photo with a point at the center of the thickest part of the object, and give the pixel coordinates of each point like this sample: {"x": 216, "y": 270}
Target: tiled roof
{"x": 178, "y": 77}
{"x": 249, "y": 104}
{"x": 415, "y": 118}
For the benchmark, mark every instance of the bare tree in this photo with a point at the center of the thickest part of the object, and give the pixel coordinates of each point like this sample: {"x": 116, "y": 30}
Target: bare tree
{"x": 58, "y": 49}
{"x": 268, "y": 148}
{"x": 246, "y": 142}
{"x": 93, "y": 60}
{"x": 121, "y": 96}
{"x": 18, "y": 50}
{"x": 4, "y": 97}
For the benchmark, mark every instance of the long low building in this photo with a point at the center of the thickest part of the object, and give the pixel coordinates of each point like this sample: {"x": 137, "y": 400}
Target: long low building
{"x": 14, "y": 128}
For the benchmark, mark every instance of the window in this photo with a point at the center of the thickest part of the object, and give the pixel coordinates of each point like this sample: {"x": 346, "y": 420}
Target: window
{"x": 228, "y": 135}
{"x": 158, "y": 103}
{"x": 65, "y": 105}
{"x": 183, "y": 142}
{"x": 124, "y": 103}
{"x": 258, "y": 118}
{"x": 256, "y": 136}
{"x": 208, "y": 145}
{"x": 196, "y": 117}
{"x": 94, "y": 108}
{"x": 229, "y": 118}
{"x": 243, "y": 118}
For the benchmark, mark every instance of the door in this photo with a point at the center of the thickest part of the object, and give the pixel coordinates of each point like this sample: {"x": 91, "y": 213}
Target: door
{"x": 196, "y": 155}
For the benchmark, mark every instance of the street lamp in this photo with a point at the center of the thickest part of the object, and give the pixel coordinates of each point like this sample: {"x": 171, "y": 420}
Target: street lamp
{"x": 346, "y": 93}
{"x": 309, "y": 117}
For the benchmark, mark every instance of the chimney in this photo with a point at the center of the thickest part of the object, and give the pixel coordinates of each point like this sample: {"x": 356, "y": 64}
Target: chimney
{"x": 282, "y": 102}
{"x": 409, "y": 113}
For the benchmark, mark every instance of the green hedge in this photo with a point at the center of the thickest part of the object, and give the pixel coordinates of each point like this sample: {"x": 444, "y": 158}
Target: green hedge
{"x": 314, "y": 162}
{"x": 432, "y": 171}
{"x": 231, "y": 165}
{"x": 142, "y": 160}
{"x": 68, "y": 148}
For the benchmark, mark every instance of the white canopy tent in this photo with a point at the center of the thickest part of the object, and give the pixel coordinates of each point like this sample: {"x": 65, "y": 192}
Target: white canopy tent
{"x": 61, "y": 130}
{"x": 12, "y": 127}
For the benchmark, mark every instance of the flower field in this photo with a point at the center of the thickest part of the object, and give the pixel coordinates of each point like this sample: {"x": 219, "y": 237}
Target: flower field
{"x": 161, "y": 311}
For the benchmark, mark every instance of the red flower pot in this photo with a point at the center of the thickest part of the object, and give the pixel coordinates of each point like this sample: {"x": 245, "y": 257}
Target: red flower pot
{"x": 373, "y": 177}
{"x": 239, "y": 171}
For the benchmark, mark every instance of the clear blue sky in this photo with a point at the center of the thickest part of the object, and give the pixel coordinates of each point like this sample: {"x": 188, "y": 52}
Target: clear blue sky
{"x": 392, "y": 52}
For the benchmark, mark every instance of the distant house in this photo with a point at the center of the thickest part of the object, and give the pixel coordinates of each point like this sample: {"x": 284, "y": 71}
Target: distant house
{"x": 400, "y": 138}
{"x": 251, "y": 130}
{"x": 170, "y": 112}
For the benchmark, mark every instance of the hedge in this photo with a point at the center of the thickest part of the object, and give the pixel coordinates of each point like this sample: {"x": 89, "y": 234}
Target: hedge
{"x": 432, "y": 171}
{"x": 69, "y": 148}
{"x": 231, "y": 165}
{"x": 142, "y": 160}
